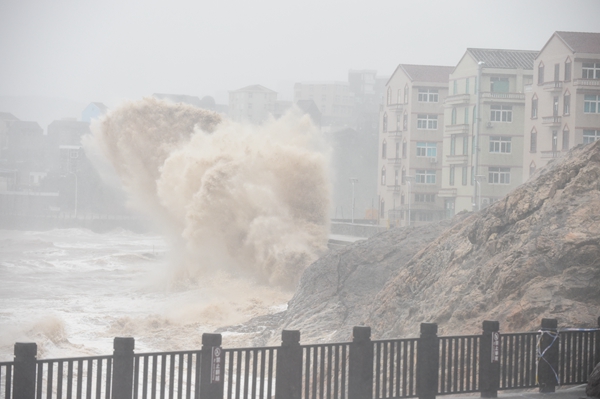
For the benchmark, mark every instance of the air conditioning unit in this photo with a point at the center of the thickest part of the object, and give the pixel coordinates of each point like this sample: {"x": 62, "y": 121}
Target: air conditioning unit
{"x": 485, "y": 201}
{"x": 432, "y": 160}
{"x": 489, "y": 125}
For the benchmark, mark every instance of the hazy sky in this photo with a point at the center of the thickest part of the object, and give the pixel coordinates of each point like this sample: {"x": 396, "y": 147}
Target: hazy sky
{"x": 108, "y": 50}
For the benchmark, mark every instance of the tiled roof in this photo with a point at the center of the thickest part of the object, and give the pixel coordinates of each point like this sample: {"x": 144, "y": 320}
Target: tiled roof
{"x": 581, "y": 42}
{"x": 103, "y": 108}
{"x": 255, "y": 88}
{"x": 7, "y": 116}
{"x": 499, "y": 58}
{"x": 427, "y": 73}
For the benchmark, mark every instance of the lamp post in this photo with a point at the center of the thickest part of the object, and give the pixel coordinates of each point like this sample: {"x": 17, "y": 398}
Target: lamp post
{"x": 353, "y": 180}
{"x": 409, "y": 182}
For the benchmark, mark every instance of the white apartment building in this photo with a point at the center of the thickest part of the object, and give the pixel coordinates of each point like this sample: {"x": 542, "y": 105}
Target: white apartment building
{"x": 334, "y": 100}
{"x": 483, "y": 132}
{"x": 563, "y": 102}
{"x": 252, "y": 104}
{"x": 410, "y": 145}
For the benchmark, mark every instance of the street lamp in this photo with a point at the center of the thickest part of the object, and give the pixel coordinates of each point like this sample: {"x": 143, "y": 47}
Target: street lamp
{"x": 408, "y": 181}
{"x": 353, "y": 180}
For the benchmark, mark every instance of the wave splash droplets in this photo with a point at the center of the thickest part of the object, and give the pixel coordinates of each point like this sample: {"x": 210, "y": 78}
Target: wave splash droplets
{"x": 235, "y": 198}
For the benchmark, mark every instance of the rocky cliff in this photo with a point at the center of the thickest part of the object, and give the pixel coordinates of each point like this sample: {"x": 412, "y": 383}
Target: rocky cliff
{"x": 534, "y": 254}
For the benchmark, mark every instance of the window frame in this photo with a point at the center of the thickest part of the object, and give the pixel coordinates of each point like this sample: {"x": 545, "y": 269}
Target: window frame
{"x": 500, "y": 145}
{"x": 591, "y": 133}
{"x": 591, "y": 106}
{"x": 428, "y": 95}
{"x": 498, "y": 175}
{"x": 425, "y": 176}
{"x": 427, "y": 122}
{"x": 501, "y": 113}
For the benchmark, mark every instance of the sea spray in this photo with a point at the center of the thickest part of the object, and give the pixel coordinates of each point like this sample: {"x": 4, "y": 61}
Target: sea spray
{"x": 245, "y": 199}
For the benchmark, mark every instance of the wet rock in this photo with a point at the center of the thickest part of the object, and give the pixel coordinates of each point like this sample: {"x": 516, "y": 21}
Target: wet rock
{"x": 593, "y": 386}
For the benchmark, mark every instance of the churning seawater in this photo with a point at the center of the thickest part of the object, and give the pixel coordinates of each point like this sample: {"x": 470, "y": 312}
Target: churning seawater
{"x": 72, "y": 291}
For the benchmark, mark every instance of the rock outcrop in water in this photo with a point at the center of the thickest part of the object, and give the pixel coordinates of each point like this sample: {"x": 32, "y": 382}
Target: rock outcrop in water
{"x": 534, "y": 254}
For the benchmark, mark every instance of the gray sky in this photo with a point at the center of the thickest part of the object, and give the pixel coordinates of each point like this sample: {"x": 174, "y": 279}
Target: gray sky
{"x": 113, "y": 49}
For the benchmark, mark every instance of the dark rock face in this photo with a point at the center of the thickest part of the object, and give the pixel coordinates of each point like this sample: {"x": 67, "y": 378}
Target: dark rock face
{"x": 535, "y": 254}
{"x": 593, "y": 386}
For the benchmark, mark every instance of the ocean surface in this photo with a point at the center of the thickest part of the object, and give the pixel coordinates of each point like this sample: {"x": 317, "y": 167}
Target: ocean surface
{"x": 72, "y": 291}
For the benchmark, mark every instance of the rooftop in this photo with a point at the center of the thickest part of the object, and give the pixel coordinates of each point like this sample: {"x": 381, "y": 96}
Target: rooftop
{"x": 500, "y": 58}
{"x": 426, "y": 73}
{"x": 581, "y": 42}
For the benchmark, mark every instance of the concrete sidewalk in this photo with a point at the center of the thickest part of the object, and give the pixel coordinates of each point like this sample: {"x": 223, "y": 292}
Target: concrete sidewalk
{"x": 571, "y": 392}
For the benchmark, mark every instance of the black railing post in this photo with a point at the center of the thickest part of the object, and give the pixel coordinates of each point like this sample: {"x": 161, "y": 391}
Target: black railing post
{"x": 548, "y": 356}
{"x": 489, "y": 360}
{"x": 24, "y": 378}
{"x": 212, "y": 367}
{"x": 360, "y": 372}
{"x": 428, "y": 359}
{"x": 288, "y": 384}
{"x": 122, "y": 378}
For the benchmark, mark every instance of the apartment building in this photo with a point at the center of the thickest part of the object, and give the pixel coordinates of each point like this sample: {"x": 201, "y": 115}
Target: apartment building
{"x": 484, "y": 116}
{"x": 252, "y": 104}
{"x": 410, "y": 144}
{"x": 563, "y": 102}
{"x": 334, "y": 100}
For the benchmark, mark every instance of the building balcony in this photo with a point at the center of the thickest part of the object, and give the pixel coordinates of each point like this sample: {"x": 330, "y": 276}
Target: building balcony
{"x": 395, "y": 133}
{"x": 551, "y": 120}
{"x": 456, "y": 129}
{"x": 502, "y": 97}
{"x": 528, "y": 88}
{"x": 397, "y": 108}
{"x": 447, "y": 192}
{"x": 396, "y": 188}
{"x": 394, "y": 161}
{"x": 457, "y": 159}
{"x": 457, "y": 99}
{"x": 550, "y": 154}
{"x": 586, "y": 82}
{"x": 553, "y": 86}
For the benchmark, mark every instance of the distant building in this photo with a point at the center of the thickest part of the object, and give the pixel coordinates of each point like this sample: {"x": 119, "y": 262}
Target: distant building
{"x": 252, "y": 104}
{"x": 61, "y": 134}
{"x": 22, "y": 146}
{"x": 334, "y": 100}
{"x": 410, "y": 145}
{"x": 563, "y": 101}
{"x": 93, "y": 111}
{"x": 368, "y": 90}
{"x": 483, "y": 150}
{"x": 309, "y": 107}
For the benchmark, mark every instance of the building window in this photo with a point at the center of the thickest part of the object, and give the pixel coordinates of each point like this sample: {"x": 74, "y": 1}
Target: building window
{"x": 500, "y": 145}
{"x": 466, "y": 118}
{"x": 384, "y": 149}
{"x": 464, "y": 175}
{"x": 589, "y": 136}
{"x": 397, "y": 150}
{"x": 534, "y": 107}
{"x": 452, "y": 170}
{"x": 382, "y": 209}
{"x": 424, "y": 197}
{"x": 467, "y": 86}
{"x": 556, "y": 72}
{"x": 389, "y": 95}
{"x": 425, "y": 149}
{"x": 385, "y": 119}
{"x": 453, "y": 144}
{"x": 428, "y": 95}
{"x": 453, "y": 119}
{"x": 406, "y": 94}
{"x": 590, "y": 70}
{"x": 565, "y": 138}
{"x": 567, "y": 103}
{"x": 404, "y": 121}
{"x": 532, "y": 168}
{"x": 567, "y": 70}
{"x": 465, "y": 145}
{"x": 396, "y": 177}
{"x": 398, "y": 96}
{"x": 427, "y": 122}
{"x": 383, "y": 176}
{"x": 455, "y": 87}
{"x": 498, "y": 175}
{"x": 541, "y": 73}
{"x": 554, "y": 142}
{"x": 403, "y": 176}
{"x": 591, "y": 104}
{"x": 498, "y": 85}
{"x": 404, "y": 149}
{"x": 425, "y": 176}
{"x": 501, "y": 113}
{"x": 533, "y": 140}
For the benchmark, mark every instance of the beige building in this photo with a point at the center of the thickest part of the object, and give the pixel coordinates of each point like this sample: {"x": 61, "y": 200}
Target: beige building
{"x": 410, "y": 145}
{"x": 473, "y": 179}
{"x": 563, "y": 102}
{"x": 334, "y": 100}
{"x": 252, "y": 104}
